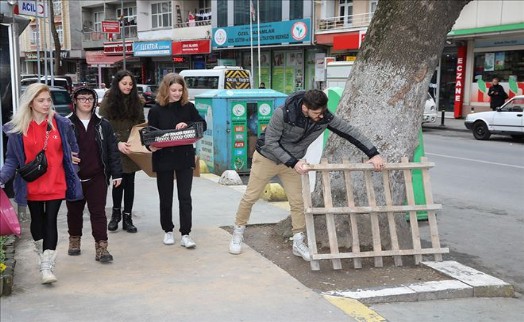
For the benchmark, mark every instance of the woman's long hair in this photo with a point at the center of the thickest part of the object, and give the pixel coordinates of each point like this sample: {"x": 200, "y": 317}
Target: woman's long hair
{"x": 24, "y": 114}
{"x": 118, "y": 106}
{"x": 162, "y": 98}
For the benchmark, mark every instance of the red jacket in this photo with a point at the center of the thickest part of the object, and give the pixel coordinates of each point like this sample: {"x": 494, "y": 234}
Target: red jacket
{"x": 52, "y": 185}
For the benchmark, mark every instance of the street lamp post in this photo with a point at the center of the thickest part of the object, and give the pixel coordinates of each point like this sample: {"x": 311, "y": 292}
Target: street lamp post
{"x": 123, "y": 34}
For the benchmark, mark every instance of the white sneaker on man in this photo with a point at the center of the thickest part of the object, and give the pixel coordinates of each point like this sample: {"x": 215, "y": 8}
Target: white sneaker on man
{"x": 235, "y": 246}
{"x": 187, "y": 242}
{"x": 169, "y": 239}
{"x": 300, "y": 248}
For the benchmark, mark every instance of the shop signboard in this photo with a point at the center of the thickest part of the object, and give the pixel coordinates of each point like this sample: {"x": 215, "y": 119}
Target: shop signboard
{"x": 152, "y": 48}
{"x": 204, "y": 147}
{"x": 284, "y": 32}
{"x": 33, "y": 8}
{"x": 239, "y": 137}
{"x": 111, "y": 27}
{"x": 191, "y": 47}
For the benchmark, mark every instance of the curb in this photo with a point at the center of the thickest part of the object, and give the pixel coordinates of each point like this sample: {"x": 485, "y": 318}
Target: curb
{"x": 465, "y": 282}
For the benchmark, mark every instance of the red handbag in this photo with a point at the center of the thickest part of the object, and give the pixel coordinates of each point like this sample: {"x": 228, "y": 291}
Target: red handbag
{"x": 9, "y": 224}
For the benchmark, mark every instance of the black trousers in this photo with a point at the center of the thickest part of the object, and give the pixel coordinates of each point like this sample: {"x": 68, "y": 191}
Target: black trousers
{"x": 95, "y": 193}
{"x": 127, "y": 190}
{"x": 165, "y": 184}
{"x": 43, "y": 221}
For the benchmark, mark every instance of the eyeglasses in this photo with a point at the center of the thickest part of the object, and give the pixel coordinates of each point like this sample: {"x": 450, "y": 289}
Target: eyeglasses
{"x": 85, "y": 99}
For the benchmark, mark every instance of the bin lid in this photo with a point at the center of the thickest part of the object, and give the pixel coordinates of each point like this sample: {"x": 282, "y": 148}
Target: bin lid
{"x": 241, "y": 93}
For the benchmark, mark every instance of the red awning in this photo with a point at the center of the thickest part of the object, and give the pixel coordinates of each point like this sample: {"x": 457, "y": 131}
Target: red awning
{"x": 95, "y": 58}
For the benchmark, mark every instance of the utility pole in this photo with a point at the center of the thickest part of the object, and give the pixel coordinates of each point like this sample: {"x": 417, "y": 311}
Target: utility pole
{"x": 122, "y": 31}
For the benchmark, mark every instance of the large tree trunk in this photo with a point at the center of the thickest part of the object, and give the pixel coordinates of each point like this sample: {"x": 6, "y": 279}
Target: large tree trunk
{"x": 56, "y": 40}
{"x": 384, "y": 97}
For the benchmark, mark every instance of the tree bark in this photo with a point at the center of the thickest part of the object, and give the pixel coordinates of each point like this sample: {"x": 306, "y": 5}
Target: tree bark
{"x": 384, "y": 98}
{"x": 56, "y": 40}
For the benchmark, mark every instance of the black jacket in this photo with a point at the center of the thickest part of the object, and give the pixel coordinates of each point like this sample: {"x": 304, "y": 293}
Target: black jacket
{"x": 498, "y": 96}
{"x": 166, "y": 118}
{"x": 107, "y": 145}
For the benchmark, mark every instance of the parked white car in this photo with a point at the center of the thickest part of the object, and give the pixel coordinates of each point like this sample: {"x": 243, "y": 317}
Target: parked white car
{"x": 430, "y": 110}
{"x": 506, "y": 120}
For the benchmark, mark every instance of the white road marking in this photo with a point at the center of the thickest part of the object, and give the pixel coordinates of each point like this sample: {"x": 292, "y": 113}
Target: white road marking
{"x": 474, "y": 160}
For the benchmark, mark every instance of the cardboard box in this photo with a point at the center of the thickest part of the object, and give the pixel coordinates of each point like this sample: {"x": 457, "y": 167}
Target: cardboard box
{"x": 139, "y": 154}
{"x": 143, "y": 157}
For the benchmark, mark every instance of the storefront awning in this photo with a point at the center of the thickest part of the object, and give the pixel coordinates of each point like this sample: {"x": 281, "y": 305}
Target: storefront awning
{"x": 95, "y": 58}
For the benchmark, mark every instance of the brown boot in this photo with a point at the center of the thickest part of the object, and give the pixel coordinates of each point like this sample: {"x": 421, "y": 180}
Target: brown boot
{"x": 74, "y": 246}
{"x": 102, "y": 255}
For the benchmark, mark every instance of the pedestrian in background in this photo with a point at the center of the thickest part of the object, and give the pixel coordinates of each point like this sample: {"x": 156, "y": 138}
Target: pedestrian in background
{"x": 497, "y": 94}
{"x": 100, "y": 162}
{"x": 174, "y": 111}
{"x": 124, "y": 108}
{"x": 291, "y": 129}
{"x": 36, "y": 127}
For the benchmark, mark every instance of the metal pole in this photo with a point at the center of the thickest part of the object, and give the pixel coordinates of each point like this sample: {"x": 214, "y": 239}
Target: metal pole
{"x": 51, "y": 20}
{"x": 123, "y": 34}
{"x": 39, "y": 71}
{"x": 258, "y": 32}
{"x": 437, "y": 92}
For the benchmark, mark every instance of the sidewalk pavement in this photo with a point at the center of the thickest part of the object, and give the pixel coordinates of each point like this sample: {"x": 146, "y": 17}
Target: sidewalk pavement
{"x": 450, "y": 124}
{"x": 149, "y": 281}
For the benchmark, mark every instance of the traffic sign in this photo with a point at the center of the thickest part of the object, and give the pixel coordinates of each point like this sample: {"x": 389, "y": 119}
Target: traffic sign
{"x": 111, "y": 27}
{"x": 33, "y": 8}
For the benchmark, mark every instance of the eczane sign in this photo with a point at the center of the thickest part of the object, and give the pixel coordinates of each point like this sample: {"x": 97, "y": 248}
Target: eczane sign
{"x": 32, "y": 8}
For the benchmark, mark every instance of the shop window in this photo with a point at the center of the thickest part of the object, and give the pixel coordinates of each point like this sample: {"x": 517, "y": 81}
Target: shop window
{"x": 506, "y": 65}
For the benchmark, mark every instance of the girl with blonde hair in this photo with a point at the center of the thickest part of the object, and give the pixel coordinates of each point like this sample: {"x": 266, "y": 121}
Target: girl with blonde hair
{"x": 34, "y": 127}
{"x": 174, "y": 111}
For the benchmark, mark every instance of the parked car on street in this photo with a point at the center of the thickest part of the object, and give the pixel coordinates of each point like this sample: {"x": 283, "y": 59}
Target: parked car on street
{"x": 430, "y": 111}
{"x": 61, "y": 100}
{"x": 64, "y": 82}
{"x": 506, "y": 120}
{"x": 148, "y": 92}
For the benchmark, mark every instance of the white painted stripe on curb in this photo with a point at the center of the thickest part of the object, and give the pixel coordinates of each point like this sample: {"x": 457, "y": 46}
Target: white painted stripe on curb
{"x": 475, "y": 160}
{"x": 465, "y": 274}
{"x": 437, "y": 286}
{"x": 365, "y": 294}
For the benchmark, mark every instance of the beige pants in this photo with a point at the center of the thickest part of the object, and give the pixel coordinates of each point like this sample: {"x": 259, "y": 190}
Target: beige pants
{"x": 262, "y": 171}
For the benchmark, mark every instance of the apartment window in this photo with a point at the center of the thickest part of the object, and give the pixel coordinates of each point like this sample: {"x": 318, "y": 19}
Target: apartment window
{"x": 34, "y": 36}
{"x": 222, "y": 13}
{"x": 161, "y": 15}
{"x": 270, "y": 11}
{"x": 97, "y": 21}
{"x": 345, "y": 10}
{"x": 128, "y": 14}
{"x": 373, "y": 6}
{"x": 60, "y": 31}
{"x": 296, "y": 9}
{"x": 57, "y": 7}
{"x": 242, "y": 12}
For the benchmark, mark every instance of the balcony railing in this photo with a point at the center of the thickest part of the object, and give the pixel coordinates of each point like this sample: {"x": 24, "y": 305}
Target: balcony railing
{"x": 344, "y": 22}
{"x": 202, "y": 18}
{"x": 129, "y": 32}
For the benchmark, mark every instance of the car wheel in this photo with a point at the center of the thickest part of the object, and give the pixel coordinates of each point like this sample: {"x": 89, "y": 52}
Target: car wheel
{"x": 480, "y": 131}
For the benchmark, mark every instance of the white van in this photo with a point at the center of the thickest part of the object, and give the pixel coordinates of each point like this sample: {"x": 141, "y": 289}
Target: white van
{"x": 199, "y": 81}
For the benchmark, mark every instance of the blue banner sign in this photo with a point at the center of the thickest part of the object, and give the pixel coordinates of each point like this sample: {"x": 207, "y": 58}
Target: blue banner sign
{"x": 152, "y": 48}
{"x": 285, "y": 32}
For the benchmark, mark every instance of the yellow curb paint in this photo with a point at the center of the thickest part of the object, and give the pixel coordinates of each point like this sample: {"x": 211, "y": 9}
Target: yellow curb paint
{"x": 203, "y": 166}
{"x": 355, "y": 309}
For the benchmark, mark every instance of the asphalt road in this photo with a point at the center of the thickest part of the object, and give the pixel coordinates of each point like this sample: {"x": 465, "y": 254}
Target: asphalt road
{"x": 481, "y": 187}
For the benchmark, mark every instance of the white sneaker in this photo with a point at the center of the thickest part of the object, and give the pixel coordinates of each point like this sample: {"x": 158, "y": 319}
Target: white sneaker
{"x": 300, "y": 248}
{"x": 187, "y": 242}
{"x": 235, "y": 246}
{"x": 169, "y": 239}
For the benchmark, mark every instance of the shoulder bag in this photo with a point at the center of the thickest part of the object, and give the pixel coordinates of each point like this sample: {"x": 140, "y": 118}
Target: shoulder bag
{"x": 36, "y": 168}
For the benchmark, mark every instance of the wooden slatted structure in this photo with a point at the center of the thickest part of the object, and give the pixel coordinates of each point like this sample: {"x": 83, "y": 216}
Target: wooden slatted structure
{"x": 374, "y": 210}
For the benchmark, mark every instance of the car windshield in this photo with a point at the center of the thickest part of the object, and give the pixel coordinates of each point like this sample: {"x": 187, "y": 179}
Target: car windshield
{"x": 515, "y": 105}
{"x": 60, "y": 97}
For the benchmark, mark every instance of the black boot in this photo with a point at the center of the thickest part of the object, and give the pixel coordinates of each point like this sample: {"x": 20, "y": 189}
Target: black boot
{"x": 115, "y": 219}
{"x": 127, "y": 224}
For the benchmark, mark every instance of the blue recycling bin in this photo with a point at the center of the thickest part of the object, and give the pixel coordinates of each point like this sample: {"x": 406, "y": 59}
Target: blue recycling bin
{"x": 235, "y": 118}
